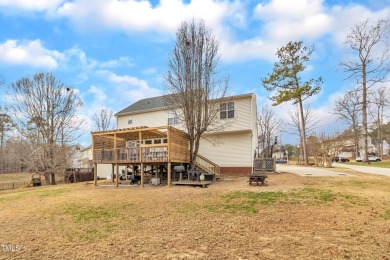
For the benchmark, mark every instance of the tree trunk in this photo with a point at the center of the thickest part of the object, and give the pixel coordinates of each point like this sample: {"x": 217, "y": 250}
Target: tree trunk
{"x": 192, "y": 157}
{"x": 356, "y": 139}
{"x": 53, "y": 179}
{"x": 47, "y": 179}
{"x": 196, "y": 150}
{"x": 364, "y": 117}
{"x": 303, "y": 137}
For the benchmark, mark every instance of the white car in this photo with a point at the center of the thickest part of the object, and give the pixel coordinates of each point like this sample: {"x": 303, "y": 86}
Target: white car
{"x": 370, "y": 159}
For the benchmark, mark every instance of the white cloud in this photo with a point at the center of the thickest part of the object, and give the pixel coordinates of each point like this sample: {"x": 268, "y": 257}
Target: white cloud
{"x": 120, "y": 62}
{"x": 31, "y": 53}
{"x": 282, "y": 21}
{"x": 128, "y": 88}
{"x": 98, "y": 93}
{"x": 285, "y": 20}
{"x": 149, "y": 71}
{"x": 293, "y": 20}
{"x": 36, "y": 5}
{"x": 28, "y": 5}
{"x": 350, "y": 16}
{"x": 132, "y": 15}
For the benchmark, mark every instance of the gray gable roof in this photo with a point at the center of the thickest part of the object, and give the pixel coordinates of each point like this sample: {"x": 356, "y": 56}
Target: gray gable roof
{"x": 146, "y": 104}
{"x": 154, "y": 103}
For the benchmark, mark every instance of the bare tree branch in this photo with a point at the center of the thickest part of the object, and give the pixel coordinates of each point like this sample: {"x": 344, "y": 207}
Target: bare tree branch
{"x": 348, "y": 109}
{"x": 268, "y": 128}
{"x": 45, "y": 112}
{"x": 371, "y": 65}
{"x": 195, "y": 92}
{"x": 102, "y": 119}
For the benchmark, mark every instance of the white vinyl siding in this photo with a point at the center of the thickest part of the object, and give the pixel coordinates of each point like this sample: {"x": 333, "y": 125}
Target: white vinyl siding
{"x": 155, "y": 118}
{"x": 237, "y": 141}
{"x": 172, "y": 118}
{"x": 242, "y": 115}
{"x": 233, "y": 149}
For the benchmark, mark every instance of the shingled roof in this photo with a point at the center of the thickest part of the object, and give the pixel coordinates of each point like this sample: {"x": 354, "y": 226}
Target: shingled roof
{"x": 154, "y": 103}
{"x": 146, "y": 104}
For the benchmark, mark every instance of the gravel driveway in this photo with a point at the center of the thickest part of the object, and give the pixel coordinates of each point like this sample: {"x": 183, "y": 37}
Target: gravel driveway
{"x": 309, "y": 170}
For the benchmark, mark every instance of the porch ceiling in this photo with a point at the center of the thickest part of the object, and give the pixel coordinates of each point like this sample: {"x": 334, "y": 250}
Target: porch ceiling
{"x": 133, "y": 133}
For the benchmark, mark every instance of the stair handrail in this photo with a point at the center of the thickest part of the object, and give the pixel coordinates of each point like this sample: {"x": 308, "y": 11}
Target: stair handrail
{"x": 207, "y": 165}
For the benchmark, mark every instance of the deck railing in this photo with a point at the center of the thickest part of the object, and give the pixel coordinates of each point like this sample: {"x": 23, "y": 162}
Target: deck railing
{"x": 154, "y": 153}
{"x": 207, "y": 165}
{"x": 103, "y": 155}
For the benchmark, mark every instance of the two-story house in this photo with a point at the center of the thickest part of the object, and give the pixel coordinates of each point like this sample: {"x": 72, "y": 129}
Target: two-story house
{"x": 232, "y": 148}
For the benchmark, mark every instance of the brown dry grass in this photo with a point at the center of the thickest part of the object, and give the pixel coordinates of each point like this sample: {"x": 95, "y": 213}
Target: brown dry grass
{"x": 293, "y": 217}
{"x": 14, "y": 177}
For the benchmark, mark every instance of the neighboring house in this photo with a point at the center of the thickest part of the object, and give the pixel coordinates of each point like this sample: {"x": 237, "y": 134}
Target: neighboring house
{"x": 232, "y": 148}
{"x": 349, "y": 148}
{"x": 386, "y": 148}
{"x": 82, "y": 158}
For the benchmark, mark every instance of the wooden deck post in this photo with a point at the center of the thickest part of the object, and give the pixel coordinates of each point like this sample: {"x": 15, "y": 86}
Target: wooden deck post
{"x": 169, "y": 174}
{"x": 95, "y": 174}
{"x": 112, "y": 172}
{"x": 117, "y": 175}
{"x": 142, "y": 174}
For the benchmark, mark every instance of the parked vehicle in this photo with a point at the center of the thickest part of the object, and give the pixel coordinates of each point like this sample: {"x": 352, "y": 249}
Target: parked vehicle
{"x": 370, "y": 159}
{"x": 340, "y": 159}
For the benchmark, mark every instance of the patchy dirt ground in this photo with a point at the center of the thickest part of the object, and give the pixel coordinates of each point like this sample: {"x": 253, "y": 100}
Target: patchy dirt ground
{"x": 293, "y": 217}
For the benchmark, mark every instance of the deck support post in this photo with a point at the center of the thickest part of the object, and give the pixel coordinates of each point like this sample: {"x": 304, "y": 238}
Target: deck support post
{"x": 95, "y": 174}
{"x": 169, "y": 174}
{"x": 117, "y": 175}
{"x": 112, "y": 172}
{"x": 142, "y": 175}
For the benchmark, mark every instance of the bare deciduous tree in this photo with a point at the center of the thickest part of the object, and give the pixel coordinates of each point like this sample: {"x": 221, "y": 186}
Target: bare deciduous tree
{"x": 380, "y": 100}
{"x": 102, "y": 119}
{"x": 371, "y": 65}
{"x": 331, "y": 145}
{"x": 348, "y": 109}
{"x": 45, "y": 112}
{"x": 309, "y": 119}
{"x": 6, "y": 125}
{"x": 268, "y": 128}
{"x": 325, "y": 147}
{"x": 195, "y": 91}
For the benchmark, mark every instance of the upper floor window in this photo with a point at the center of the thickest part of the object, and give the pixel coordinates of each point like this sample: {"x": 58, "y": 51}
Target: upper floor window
{"x": 130, "y": 120}
{"x": 227, "y": 110}
{"x": 172, "y": 118}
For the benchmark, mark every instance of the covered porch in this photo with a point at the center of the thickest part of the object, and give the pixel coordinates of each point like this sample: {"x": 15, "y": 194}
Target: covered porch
{"x": 156, "y": 147}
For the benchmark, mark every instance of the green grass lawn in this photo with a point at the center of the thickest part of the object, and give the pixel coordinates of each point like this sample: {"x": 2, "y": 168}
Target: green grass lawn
{"x": 382, "y": 164}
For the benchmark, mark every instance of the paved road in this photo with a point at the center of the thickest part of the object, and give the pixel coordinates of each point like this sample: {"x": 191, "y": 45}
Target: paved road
{"x": 365, "y": 169}
{"x": 308, "y": 171}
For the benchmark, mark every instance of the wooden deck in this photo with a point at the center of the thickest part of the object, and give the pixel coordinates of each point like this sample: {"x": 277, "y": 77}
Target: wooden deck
{"x": 140, "y": 145}
{"x": 204, "y": 184}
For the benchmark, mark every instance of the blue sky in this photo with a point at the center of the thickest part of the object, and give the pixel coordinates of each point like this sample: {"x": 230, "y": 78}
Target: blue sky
{"x": 115, "y": 52}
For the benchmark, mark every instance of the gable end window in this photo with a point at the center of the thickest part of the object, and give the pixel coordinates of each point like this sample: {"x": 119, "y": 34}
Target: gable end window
{"x": 130, "y": 120}
{"x": 227, "y": 110}
{"x": 172, "y": 119}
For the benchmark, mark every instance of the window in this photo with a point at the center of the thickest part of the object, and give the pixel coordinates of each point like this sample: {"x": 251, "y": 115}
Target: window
{"x": 172, "y": 118}
{"x": 130, "y": 120}
{"x": 227, "y": 110}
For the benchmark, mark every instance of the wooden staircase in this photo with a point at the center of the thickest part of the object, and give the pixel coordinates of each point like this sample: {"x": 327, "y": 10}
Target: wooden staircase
{"x": 206, "y": 165}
